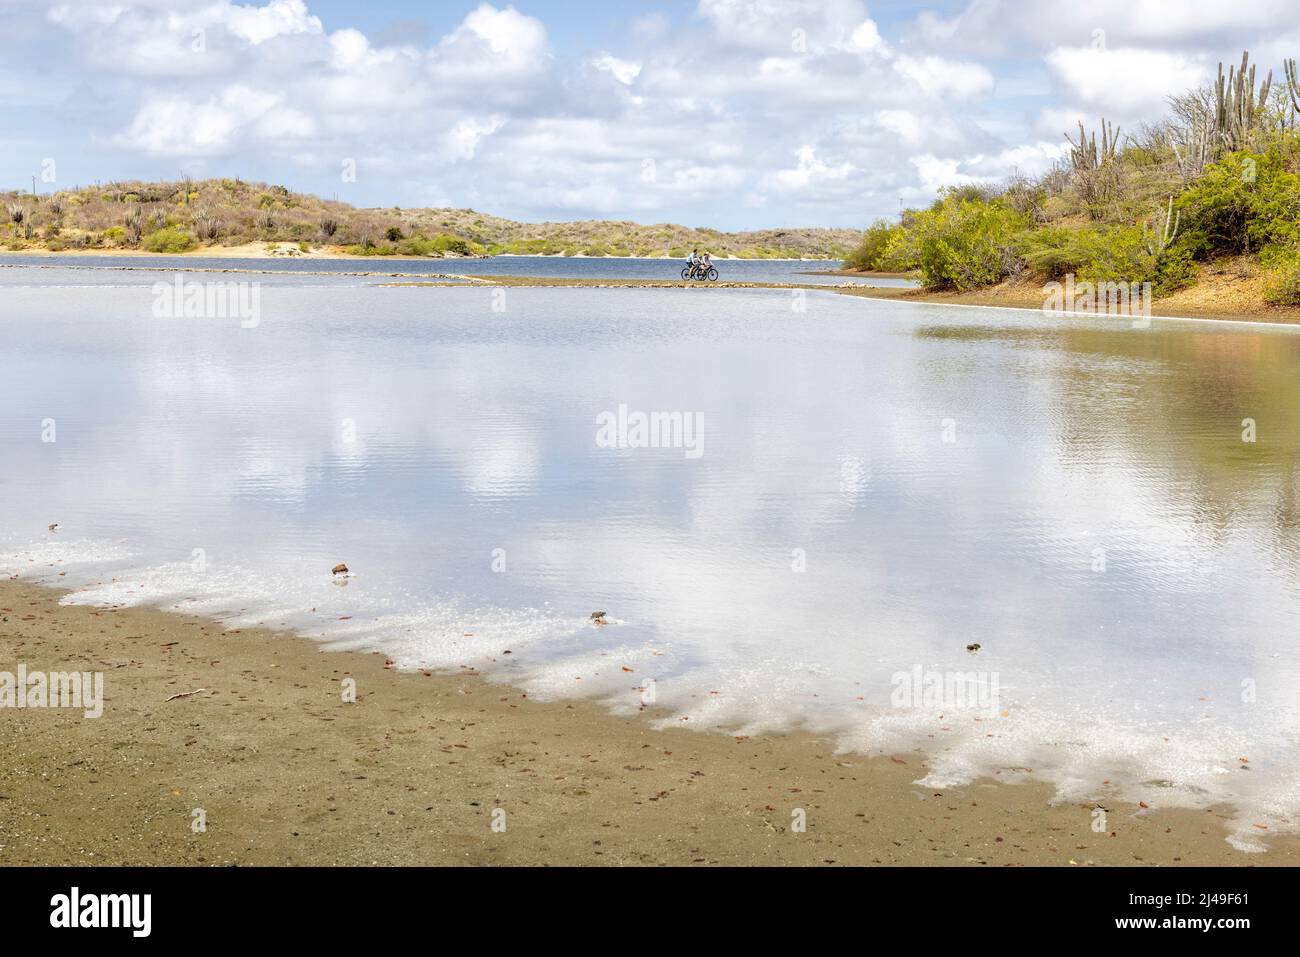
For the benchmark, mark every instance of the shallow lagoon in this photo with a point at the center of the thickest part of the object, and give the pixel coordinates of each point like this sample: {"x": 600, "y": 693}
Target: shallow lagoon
{"x": 881, "y": 485}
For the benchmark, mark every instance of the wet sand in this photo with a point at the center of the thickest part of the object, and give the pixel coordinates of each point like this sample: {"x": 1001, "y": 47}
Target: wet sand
{"x": 419, "y": 768}
{"x": 1216, "y": 297}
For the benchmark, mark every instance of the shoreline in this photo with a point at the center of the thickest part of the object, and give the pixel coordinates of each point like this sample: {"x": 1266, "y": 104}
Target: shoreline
{"x": 261, "y": 250}
{"x": 1195, "y": 303}
{"x": 256, "y": 734}
{"x": 1020, "y": 297}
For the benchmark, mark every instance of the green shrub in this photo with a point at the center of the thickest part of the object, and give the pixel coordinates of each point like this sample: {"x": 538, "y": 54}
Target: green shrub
{"x": 961, "y": 242}
{"x": 417, "y": 246}
{"x": 1054, "y": 251}
{"x": 442, "y": 243}
{"x": 529, "y": 247}
{"x": 1105, "y": 254}
{"x": 1175, "y": 269}
{"x": 1282, "y": 287}
{"x": 868, "y": 253}
{"x": 1243, "y": 203}
{"x": 370, "y": 249}
{"x": 169, "y": 240}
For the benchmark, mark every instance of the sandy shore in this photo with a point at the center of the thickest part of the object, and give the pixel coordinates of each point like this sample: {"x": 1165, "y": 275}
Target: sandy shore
{"x": 1220, "y": 295}
{"x": 287, "y": 250}
{"x": 419, "y": 767}
{"x": 258, "y": 250}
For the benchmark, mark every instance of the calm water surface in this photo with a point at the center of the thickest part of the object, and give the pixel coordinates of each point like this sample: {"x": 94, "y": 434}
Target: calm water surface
{"x": 549, "y": 267}
{"x": 880, "y": 485}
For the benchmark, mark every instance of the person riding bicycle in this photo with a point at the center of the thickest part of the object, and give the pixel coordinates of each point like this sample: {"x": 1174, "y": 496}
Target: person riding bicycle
{"x": 693, "y": 261}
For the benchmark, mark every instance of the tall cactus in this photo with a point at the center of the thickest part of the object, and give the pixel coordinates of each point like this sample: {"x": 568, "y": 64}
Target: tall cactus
{"x": 1157, "y": 241}
{"x": 1084, "y": 154}
{"x": 1238, "y": 108}
{"x": 1095, "y": 172}
{"x": 1225, "y": 116}
{"x": 1292, "y": 87}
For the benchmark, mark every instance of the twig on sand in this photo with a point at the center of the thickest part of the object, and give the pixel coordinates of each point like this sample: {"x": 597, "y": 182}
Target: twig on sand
{"x": 187, "y": 694}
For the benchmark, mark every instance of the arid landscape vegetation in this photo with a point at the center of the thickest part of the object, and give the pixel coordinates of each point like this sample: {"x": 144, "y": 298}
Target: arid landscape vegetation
{"x": 1208, "y": 195}
{"x": 188, "y": 215}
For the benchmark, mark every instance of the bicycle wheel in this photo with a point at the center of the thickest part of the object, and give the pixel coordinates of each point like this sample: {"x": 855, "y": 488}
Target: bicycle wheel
{"x": 713, "y": 274}
{"x": 686, "y": 272}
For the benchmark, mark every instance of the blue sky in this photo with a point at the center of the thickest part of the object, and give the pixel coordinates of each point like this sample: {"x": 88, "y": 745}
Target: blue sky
{"x": 730, "y": 113}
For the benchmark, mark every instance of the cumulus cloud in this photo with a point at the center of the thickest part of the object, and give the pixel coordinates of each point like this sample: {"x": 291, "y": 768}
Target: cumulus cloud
{"x": 1130, "y": 82}
{"x": 748, "y": 112}
{"x": 939, "y": 77}
{"x": 625, "y": 71}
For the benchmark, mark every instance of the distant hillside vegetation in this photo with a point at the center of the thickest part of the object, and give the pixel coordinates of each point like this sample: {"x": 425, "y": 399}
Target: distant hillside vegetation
{"x": 188, "y": 215}
{"x": 1212, "y": 190}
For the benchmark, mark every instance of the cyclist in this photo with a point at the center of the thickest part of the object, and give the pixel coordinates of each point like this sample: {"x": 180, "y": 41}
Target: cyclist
{"x": 693, "y": 262}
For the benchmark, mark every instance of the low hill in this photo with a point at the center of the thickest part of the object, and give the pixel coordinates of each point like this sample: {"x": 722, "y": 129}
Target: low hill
{"x": 173, "y": 217}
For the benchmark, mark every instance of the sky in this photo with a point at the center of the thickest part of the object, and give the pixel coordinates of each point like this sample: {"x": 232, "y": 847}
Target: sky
{"x": 735, "y": 114}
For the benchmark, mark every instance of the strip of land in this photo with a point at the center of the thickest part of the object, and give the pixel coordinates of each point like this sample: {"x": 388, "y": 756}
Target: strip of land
{"x": 264, "y": 250}
{"x": 1222, "y": 296}
{"x": 250, "y": 728}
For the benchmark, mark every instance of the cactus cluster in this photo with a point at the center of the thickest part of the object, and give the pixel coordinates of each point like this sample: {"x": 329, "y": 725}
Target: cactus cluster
{"x": 134, "y": 223}
{"x": 1096, "y": 173}
{"x": 1292, "y": 87}
{"x": 207, "y": 226}
{"x": 1085, "y": 155}
{"x": 1225, "y": 117}
{"x": 1157, "y": 241}
{"x": 1238, "y": 107}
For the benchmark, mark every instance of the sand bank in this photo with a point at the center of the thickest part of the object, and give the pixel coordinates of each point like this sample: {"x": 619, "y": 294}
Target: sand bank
{"x": 251, "y": 728}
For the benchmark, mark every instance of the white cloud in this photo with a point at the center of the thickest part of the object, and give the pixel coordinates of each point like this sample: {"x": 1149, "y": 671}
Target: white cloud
{"x": 625, "y": 71}
{"x": 173, "y": 126}
{"x": 940, "y": 77}
{"x": 811, "y": 170}
{"x": 1128, "y": 81}
{"x": 462, "y": 142}
{"x": 910, "y": 128}
{"x": 754, "y": 112}
{"x": 491, "y": 39}
{"x": 277, "y": 18}
{"x": 866, "y": 37}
